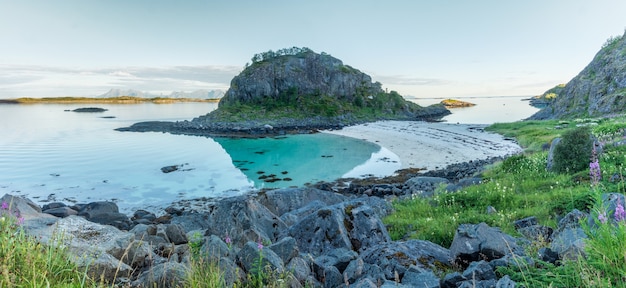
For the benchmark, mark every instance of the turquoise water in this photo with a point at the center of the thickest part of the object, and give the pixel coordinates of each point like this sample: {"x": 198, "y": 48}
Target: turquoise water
{"x": 301, "y": 159}
{"x": 48, "y": 154}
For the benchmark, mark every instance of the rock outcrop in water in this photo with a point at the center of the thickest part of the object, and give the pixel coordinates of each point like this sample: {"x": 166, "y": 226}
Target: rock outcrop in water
{"x": 301, "y": 72}
{"x": 597, "y": 90}
{"x": 296, "y": 90}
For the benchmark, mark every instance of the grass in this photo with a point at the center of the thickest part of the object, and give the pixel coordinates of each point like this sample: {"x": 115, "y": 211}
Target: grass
{"x": 520, "y": 187}
{"x": 24, "y": 262}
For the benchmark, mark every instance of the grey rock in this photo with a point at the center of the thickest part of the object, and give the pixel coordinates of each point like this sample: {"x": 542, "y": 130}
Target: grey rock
{"x": 352, "y": 225}
{"x": 286, "y": 248}
{"x": 474, "y": 242}
{"x": 569, "y": 243}
{"x": 242, "y": 218}
{"x": 546, "y": 254}
{"x": 339, "y": 258}
{"x": 215, "y": 249}
{"x": 555, "y": 142}
{"x": 398, "y": 256}
{"x": 61, "y": 211}
{"x": 176, "y": 234}
{"x": 358, "y": 269}
{"x": 420, "y": 277}
{"x": 571, "y": 220}
{"x": 164, "y": 275}
{"x": 281, "y": 201}
{"x": 231, "y": 273}
{"x": 249, "y": 257}
{"x": 478, "y": 284}
{"x": 21, "y": 207}
{"x": 423, "y": 185}
{"x": 330, "y": 277}
{"x": 480, "y": 270}
{"x": 53, "y": 205}
{"x": 537, "y": 233}
{"x": 522, "y": 223}
{"x": 450, "y": 280}
{"x": 506, "y": 282}
{"x": 295, "y": 216}
{"x": 300, "y": 269}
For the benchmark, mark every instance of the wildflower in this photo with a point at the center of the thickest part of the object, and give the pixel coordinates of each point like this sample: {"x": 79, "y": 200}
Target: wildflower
{"x": 602, "y": 218}
{"x": 594, "y": 172}
{"x": 5, "y": 206}
{"x": 259, "y": 244}
{"x": 228, "y": 240}
{"x": 620, "y": 214}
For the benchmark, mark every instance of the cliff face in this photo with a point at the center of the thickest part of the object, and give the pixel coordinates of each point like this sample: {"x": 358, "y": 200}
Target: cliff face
{"x": 305, "y": 73}
{"x": 599, "y": 89}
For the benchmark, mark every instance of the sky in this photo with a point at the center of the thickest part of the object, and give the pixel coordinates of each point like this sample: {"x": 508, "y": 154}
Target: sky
{"x": 419, "y": 48}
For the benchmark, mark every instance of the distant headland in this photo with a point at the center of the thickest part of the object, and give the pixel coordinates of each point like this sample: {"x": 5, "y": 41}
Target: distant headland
{"x": 93, "y": 100}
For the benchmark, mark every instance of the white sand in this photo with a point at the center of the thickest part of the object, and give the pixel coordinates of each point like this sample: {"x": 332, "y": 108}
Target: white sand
{"x": 432, "y": 145}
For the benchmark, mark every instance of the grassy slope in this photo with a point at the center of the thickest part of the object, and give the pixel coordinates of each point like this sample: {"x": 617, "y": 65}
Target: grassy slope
{"x": 520, "y": 187}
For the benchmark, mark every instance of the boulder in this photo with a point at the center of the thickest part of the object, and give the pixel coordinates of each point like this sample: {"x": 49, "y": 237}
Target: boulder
{"x": 420, "y": 277}
{"x": 281, "y": 201}
{"x": 242, "y": 218}
{"x": 474, "y": 242}
{"x": 555, "y": 142}
{"x": 164, "y": 275}
{"x": 176, "y": 234}
{"x": 106, "y": 213}
{"x": 22, "y": 208}
{"x": 286, "y": 248}
{"x": 352, "y": 225}
{"x": 251, "y": 258}
{"x": 397, "y": 257}
{"x": 61, "y": 212}
{"x": 359, "y": 269}
{"x": 215, "y": 249}
{"x": 423, "y": 185}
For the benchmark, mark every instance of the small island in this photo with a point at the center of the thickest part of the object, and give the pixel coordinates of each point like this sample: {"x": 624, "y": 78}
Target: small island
{"x": 453, "y": 103}
{"x": 295, "y": 90}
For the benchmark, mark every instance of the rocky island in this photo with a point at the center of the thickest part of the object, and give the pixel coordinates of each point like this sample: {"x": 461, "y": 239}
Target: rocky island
{"x": 296, "y": 90}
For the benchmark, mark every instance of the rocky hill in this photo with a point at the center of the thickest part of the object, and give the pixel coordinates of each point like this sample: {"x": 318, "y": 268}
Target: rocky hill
{"x": 303, "y": 73}
{"x": 599, "y": 89}
{"x": 299, "y": 83}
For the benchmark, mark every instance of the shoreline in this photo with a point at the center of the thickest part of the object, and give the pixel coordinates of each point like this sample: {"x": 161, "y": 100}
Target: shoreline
{"x": 432, "y": 146}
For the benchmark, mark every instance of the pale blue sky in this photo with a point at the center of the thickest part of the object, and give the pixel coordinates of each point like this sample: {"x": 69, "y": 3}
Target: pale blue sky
{"x": 418, "y": 48}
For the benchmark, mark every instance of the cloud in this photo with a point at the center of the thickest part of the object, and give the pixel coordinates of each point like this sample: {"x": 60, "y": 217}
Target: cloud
{"x": 45, "y": 81}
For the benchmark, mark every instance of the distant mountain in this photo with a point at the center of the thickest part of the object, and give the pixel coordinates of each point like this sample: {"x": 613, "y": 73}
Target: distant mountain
{"x": 198, "y": 94}
{"x": 599, "y": 89}
{"x": 123, "y": 92}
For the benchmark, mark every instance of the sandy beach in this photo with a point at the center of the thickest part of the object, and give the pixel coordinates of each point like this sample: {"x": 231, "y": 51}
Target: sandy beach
{"x": 432, "y": 145}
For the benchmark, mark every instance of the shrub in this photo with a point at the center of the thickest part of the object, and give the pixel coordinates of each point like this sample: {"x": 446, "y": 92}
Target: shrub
{"x": 572, "y": 154}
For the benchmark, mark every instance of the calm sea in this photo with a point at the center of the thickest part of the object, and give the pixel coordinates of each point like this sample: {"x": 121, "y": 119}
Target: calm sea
{"x": 50, "y": 154}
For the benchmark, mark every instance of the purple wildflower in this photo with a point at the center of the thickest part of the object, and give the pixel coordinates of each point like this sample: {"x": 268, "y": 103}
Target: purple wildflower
{"x": 259, "y": 244}
{"x": 620, "y": 214}
{"x": 594, "y": 172}
{"x": 227, "y": 239}
{"x": 602, "y": 218}
{"x": 20, "y": 220}
{"x": 5, "y": 206}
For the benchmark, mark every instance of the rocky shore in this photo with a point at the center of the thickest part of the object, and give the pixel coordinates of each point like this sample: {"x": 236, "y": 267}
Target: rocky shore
{"x": 313, "y": 237}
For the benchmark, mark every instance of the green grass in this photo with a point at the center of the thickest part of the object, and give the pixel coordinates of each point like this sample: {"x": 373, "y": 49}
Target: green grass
{"x": 24, "y": 262}
{"x": 520, "y": 187}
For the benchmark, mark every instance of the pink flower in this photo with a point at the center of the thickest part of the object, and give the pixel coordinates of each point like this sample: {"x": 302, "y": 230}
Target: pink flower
{"x": 620, "y": 214}
{"x": 227, "y": 239}
{"x": 259, "y": 244}
{"x": 602, "y": 218}
{"x": 5, "y": 206}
